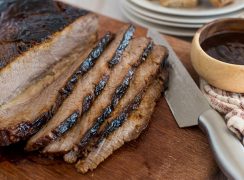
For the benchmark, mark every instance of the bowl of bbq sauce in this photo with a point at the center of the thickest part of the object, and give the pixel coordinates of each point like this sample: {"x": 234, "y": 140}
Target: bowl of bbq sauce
{"x": 217, "y": 54}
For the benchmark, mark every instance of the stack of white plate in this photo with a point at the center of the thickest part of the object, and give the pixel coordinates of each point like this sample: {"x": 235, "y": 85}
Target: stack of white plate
{"x": 179, "y": 22}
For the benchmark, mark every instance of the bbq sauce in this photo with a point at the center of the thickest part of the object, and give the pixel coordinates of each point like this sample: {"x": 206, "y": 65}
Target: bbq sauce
{"x": 227, "y": 47}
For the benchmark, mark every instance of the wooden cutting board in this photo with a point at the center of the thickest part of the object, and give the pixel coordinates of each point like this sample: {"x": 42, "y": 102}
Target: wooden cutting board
{"x": 163, "y": 151}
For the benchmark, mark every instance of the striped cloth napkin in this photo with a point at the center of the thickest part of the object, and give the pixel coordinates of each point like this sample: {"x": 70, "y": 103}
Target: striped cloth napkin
{"x": 230, "y": 105}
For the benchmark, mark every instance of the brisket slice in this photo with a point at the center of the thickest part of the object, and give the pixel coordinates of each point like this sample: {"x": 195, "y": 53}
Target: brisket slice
{"x": 47, "y": 78}
{"x": 35, "y": 35}
{"x": 83, "y": 95}
{"x": 143, "y": 76}
{"x": 124, "y": 128}
{"x": 117, "y": 78}
{"x": 23, "y": 120}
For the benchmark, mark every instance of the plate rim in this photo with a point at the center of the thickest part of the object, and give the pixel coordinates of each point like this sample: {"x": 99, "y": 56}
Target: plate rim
{"x": 169, "y": 32}
{"x": 185, "y": 12}
{"x": 173, "y": 18}
{"x": 161, "y": 22}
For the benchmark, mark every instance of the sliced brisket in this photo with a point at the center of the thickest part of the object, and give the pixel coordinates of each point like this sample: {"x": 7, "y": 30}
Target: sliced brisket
{"x": 80, "y": 100}
{"x": 68, "y": 95}
{"x": 22, "y": 120}
{"x": 119, "y": 93}
{"x": 124, "y": 128}
{"x": 100, "y": 106}
{"x": 143, "y": 77}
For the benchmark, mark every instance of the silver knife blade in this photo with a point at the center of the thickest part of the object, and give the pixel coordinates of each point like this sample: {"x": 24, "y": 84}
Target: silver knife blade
{"x": 183, "y": 96}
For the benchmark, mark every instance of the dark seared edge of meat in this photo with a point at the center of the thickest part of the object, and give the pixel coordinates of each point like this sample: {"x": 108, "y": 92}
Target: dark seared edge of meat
{"x": 57, "y": 132}
{"x": 25, "y": 23}
{"x": 87, "y": 64}
{"x": 118, "y": 121}
{"x": 23, "y": 130}
{"x": 124, "y": 43}
{"x": 73, "y": 118}
{"x": 166, "y": 66}
{"x": 115, "y": 123}
{"x": 89, "y": 99}
{"x": 67, "y": 124}
{"x": 118, "y": 94}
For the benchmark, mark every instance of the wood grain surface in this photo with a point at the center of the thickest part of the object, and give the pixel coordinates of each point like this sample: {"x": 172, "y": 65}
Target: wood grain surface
{"x": 163, "y": 151}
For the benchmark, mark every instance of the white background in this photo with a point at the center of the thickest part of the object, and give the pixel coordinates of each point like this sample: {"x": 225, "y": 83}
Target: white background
{"x": 106, "y": 7}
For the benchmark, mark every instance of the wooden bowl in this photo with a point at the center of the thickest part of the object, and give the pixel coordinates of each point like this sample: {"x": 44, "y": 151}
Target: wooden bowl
{"x": 229, "y": 77}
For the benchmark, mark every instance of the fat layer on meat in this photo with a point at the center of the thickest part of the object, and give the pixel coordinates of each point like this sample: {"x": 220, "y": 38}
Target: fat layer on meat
{"x": 46, "y": 79}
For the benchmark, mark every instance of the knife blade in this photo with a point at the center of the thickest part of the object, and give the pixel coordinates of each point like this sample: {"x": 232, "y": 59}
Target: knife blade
{"x": 190, "y": 107}
{"x": 182, "y": 89}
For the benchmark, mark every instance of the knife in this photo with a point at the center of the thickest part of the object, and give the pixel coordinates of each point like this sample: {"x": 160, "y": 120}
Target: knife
{"x": 190, "y": 107}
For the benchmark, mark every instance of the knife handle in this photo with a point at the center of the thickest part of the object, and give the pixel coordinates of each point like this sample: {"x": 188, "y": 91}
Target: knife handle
{"x": 227, "y": 149}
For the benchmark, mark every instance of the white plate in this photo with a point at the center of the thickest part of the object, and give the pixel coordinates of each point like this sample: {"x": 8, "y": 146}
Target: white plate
{"x": 179, "y": 19}
{"x": 204, "y": 9}
{"x": 160, "y": 28}
{"x": 161, "y": 22}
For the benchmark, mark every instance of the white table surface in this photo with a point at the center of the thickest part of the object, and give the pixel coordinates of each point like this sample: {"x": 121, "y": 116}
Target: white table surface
{"x": 108, "y": 8}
